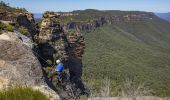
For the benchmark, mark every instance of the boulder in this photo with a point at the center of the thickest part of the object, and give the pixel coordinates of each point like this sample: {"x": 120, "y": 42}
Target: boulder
{"x": 18, "y": 65}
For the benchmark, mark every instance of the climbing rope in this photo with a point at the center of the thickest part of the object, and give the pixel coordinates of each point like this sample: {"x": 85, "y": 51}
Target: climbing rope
{"x": 40, "y": 57}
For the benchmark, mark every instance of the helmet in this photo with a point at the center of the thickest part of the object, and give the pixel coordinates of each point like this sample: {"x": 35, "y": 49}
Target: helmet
{"x": 58, "y": 61}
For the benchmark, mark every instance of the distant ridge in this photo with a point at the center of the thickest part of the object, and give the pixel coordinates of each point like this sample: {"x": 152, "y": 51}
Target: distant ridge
{"x": 165, "y": 16}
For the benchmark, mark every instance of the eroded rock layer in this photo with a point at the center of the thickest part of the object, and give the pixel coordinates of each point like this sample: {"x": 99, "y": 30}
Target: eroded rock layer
{"x": 52, "y": 42}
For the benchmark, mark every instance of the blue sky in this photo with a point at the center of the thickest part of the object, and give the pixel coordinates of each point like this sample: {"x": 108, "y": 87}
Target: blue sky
{"x": 39, "y": 6}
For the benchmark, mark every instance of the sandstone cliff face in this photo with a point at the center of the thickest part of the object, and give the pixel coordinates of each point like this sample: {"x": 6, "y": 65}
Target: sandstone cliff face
{"x": 18, "y": 65}
{"x": 19, "y": 19}
{"x": 52, "y": 42}
{"x": 106, "y": 20}
{"x": 27, "y": 20}
{"x": 88, "y": 26}
{"x": 55, "y": 43}
{"x": 75, "y": 51}
{"x": 76, "y": 44}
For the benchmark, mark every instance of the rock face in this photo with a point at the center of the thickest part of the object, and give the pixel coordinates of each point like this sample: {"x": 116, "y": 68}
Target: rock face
{"x": 68, "y": 46}
{"x": 20, "y": 18}
{"x": 52, "y": 42}
{"x": 76, "y": 44}
{"x": 88, "y": 26}
{"x": 18, "y": 65}
{"x": 27, "y": 20}
{"x": 75, "y": 50}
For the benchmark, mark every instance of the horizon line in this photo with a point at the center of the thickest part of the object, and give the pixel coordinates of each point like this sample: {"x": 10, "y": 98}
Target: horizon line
{"x": 100, "y": 10}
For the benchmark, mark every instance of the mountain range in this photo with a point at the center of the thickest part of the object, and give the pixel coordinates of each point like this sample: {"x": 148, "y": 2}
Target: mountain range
{"x": 165, "y": 16}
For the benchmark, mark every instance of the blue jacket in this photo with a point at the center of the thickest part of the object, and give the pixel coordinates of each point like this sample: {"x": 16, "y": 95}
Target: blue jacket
{"x": 59, "y": 67}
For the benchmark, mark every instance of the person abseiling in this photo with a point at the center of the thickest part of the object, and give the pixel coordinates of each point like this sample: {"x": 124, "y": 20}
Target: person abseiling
{"x": 59, "y": 68}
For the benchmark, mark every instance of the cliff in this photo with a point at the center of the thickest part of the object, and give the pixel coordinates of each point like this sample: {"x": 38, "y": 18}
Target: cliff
{"x": 54, "y": 43}
{"x": 87, "y": 20}
{"x": 18, "y": 17}
{"x": 49, "y": 43}
{"x": 51, "y": 40}
{"x": 27, "y": 20}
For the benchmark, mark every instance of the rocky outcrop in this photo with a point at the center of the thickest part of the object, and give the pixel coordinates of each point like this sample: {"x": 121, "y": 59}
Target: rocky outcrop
{"x": 27, "y": 20}
{"x": 76, "y": 44}
{"x": 75, "y": 50}
{"x": 68, "y": 46}
{"x": 18, "y": 18}
{"x": 24, "y": 19}
{"x": 18, "y": 65}
{"x": 52, "y": 42}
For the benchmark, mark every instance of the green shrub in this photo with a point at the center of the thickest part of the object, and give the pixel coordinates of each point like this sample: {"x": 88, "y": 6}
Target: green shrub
{"x": 9, "y": 27}
{"x": 23, "y": 30}
{"x": 21, "y": 93}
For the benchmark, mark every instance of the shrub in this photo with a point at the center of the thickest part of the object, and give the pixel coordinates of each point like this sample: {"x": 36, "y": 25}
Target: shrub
{"x": 9, "y": 27}
{"x": 23, "y": 30}
{"x": 21, "y": 93}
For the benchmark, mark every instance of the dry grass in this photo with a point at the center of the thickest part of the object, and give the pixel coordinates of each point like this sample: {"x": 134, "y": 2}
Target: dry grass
{"x": 105, "y": 90}
{"x": 132, "y": 91}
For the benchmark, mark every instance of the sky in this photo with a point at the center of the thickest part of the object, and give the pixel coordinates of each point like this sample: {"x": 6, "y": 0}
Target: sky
{"x": 39, "y": 6}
